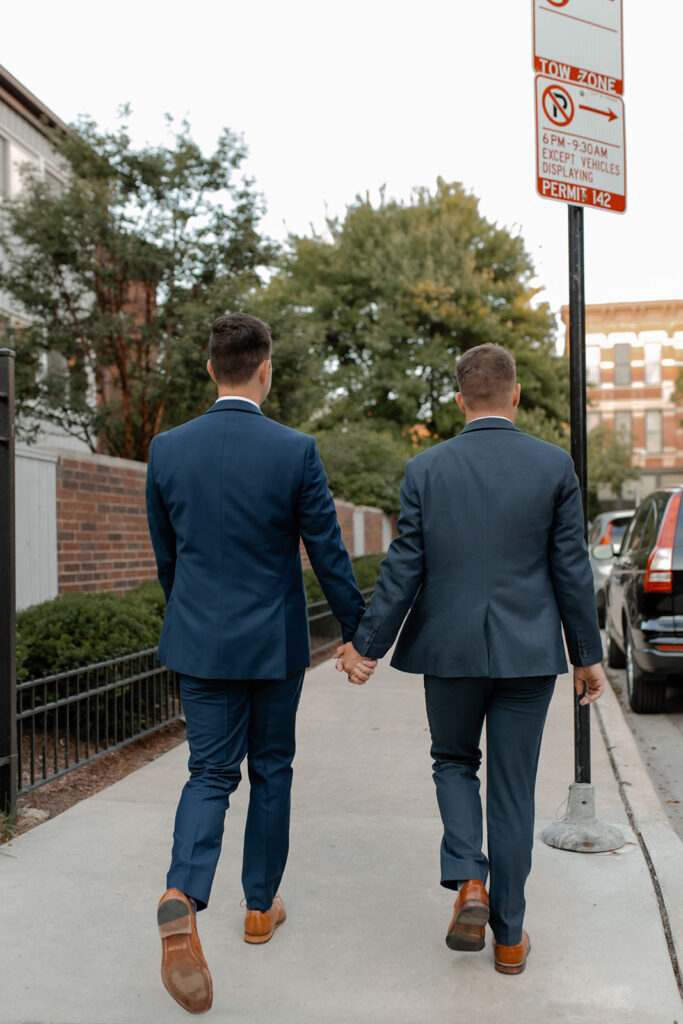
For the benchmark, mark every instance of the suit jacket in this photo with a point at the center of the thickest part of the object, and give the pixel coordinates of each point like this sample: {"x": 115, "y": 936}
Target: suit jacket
{"x": 229, "y": 495}
{"x": 489, "y": 562}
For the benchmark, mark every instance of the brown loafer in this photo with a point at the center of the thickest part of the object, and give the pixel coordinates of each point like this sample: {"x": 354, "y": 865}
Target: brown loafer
{"x": 184, "y": 971}
{"x": 512, "y": 959}
{"x": 470, "y": 914}
{"x": 259, "y": 926}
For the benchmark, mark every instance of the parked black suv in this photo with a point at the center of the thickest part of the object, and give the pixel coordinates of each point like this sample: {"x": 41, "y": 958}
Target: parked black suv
{"x": 644, "y": 601}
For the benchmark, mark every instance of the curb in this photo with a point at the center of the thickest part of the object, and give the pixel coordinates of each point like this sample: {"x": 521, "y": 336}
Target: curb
{"x": 660, "y": 845}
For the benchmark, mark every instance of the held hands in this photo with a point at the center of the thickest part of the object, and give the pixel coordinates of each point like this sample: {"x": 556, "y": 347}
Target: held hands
{"x": 594, "y": 678}
{"x": 357, "y": 668}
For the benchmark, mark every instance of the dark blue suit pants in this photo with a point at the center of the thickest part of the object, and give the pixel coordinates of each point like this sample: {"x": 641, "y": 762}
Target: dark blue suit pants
{"x": 515, "y": 711}
{"x": 228, "y": 720}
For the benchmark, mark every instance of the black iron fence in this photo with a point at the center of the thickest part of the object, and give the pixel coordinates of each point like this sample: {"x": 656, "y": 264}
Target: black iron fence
{"x": 68, "y": 719}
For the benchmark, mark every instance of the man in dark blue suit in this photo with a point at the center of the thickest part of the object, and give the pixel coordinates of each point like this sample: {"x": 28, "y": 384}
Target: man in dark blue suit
{"x": 489, "y": 564}
{"x": 229, "y": 497}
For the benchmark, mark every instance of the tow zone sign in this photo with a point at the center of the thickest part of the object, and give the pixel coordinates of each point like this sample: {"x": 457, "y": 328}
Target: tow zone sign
{"x": 580, "y": 145}
{"x": 580, "y": 41}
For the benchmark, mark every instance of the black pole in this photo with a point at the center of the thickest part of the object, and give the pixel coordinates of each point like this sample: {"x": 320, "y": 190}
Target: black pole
{"x": 8, "y": 691}
{"x": 577, "y": 373}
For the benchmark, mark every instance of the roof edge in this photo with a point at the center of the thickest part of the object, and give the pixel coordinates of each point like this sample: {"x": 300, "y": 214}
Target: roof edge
{"x": 28, "y": 105}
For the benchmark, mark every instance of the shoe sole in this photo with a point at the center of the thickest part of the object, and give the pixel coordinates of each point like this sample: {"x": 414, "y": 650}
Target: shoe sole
{"x": 257, "y": 940}
{"x": 185, "y": 977}
{"x": 465, "y": 934}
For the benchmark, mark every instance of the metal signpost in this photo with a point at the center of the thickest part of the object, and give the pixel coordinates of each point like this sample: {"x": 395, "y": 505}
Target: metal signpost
{"x": 8, "y": 699}
{"x": 580, "y": 160}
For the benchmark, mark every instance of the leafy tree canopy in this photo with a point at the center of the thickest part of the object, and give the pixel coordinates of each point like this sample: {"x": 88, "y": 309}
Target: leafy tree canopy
{"x": 119, "y": 274}
{"x": 397, "y": 291}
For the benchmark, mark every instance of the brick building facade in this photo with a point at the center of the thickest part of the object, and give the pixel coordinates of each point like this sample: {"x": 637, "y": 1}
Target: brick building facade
{"x": 634, "y": 354}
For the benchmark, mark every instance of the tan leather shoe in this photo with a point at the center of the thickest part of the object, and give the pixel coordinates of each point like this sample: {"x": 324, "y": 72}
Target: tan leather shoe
{"x": 259, "y": 927}
{"x": 470, "y": 914}
{"x": 512, "y": 959}
{"x": 184, "y": 971}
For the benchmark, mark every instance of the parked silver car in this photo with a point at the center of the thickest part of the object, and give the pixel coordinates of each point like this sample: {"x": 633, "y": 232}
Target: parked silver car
{"x": 606, "y": 532}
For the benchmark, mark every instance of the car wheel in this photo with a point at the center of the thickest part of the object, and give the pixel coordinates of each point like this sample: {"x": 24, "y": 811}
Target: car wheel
{"x": 600, "y": 605}
{"x": 615, "y": 655}
{"x": 646, "y": 696}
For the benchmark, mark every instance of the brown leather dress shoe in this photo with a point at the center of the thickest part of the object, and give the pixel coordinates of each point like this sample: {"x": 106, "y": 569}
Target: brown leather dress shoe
{"x": 184, "y": 971}
{"x": 470, "y": 914}
{"x": 259, "y": 927}
{"x": 512, "y": 959}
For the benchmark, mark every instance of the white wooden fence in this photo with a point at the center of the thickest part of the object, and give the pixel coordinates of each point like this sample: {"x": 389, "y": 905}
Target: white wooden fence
{"x": 36, "y": 525}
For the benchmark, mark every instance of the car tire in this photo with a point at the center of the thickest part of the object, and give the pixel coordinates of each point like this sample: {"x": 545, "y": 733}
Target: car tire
{"x": 615, "y": 655}
{"x": 646, "y": 696}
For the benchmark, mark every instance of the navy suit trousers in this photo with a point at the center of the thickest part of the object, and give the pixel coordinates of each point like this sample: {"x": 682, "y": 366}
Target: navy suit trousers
{"x": 515, "y": 711}
{"x": 228, "y": 720}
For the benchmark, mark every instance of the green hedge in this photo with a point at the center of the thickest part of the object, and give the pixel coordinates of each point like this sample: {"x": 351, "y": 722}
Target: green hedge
{"x": 78, "y": 629}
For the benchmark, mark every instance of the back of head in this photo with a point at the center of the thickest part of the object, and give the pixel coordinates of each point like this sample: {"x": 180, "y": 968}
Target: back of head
{"x": 486, "y": 377}
{"x": 239, "y": 344}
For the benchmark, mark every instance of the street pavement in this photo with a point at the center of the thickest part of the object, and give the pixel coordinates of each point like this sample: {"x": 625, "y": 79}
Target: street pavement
{"x": 364, "y": 938}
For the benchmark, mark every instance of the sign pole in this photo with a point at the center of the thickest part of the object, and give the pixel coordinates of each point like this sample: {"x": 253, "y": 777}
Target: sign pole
{"x": 577, "y": 373}
{"x": 8, "y": 692}
{"x": 580, "y": 830}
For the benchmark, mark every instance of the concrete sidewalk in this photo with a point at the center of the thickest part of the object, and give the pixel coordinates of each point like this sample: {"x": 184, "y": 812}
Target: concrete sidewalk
{"x": 364, "y": 939}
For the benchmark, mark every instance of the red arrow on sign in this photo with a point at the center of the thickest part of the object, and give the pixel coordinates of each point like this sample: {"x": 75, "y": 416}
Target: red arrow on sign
{"x": 609, "y": 114}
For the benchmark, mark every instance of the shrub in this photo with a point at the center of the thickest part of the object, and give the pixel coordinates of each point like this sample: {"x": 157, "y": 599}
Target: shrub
{"x": 76, "y": 629}
{"x": 151, "y": 595}
{"x": 365, "y": 568}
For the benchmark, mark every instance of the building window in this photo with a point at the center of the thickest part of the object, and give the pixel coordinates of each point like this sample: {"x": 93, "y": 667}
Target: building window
{"x": 653, "y": 363}
{"x": 592, "y": 365}
{"x": 19, "y": 160}
{"x": 593, "y": 420}
{"x": 623, "y": 427}
{"x": 622, "y": 364}
{"x": 653, "y": 430}
{"x": 53, "y": 182}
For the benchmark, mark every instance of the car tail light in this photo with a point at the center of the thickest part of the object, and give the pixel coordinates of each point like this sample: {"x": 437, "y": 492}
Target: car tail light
{"x": 659, "y": 571}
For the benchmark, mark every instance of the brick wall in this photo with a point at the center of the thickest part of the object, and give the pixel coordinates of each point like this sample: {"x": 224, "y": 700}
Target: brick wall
{"x": 102, "y": 537}
{"x": 103, "y": 540}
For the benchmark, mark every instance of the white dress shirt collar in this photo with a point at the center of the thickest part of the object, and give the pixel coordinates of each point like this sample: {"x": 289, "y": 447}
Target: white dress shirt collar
{"x": 238, "y": 398}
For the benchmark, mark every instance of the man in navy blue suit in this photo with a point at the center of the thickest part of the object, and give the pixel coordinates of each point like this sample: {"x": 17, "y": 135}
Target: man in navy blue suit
{"x": 489, "y": 564}
{"x": 229, "y": 497}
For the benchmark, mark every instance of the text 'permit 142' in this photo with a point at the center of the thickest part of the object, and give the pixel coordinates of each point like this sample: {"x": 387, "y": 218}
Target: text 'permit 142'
{"x": 580, "y": 145}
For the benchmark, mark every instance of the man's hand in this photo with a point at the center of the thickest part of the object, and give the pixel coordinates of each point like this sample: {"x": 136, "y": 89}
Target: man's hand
{"x": 357, "y": 668}
{"x": 593, "y": 676}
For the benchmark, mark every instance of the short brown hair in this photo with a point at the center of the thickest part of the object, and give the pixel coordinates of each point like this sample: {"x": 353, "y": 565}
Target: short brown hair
{"x": 239, "y": 344}
{"x": 486, "y": 376}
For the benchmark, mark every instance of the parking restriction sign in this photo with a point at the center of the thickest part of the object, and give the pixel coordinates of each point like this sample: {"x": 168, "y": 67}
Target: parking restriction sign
{"x": 580, "y": 41}
{"x": 580, "y": 145}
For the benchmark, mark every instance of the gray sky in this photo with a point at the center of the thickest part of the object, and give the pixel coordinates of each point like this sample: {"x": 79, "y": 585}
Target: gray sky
{"x": 339, "y": 99}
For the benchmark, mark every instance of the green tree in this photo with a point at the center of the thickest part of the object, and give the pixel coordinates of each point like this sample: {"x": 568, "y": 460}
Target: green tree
{"x": 397, "y": 291}
{"x": 119, "y": 274}
{"x": 364, "y": 465}
{"x": 609, "y": 464}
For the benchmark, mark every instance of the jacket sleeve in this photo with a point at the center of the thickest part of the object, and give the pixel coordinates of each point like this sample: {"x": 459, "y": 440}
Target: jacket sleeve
{"x": 399, "y": 580}
{"x": 160, "y": 529}
{"x": 320, "y": 532}
{"x": 571, "y": 574}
